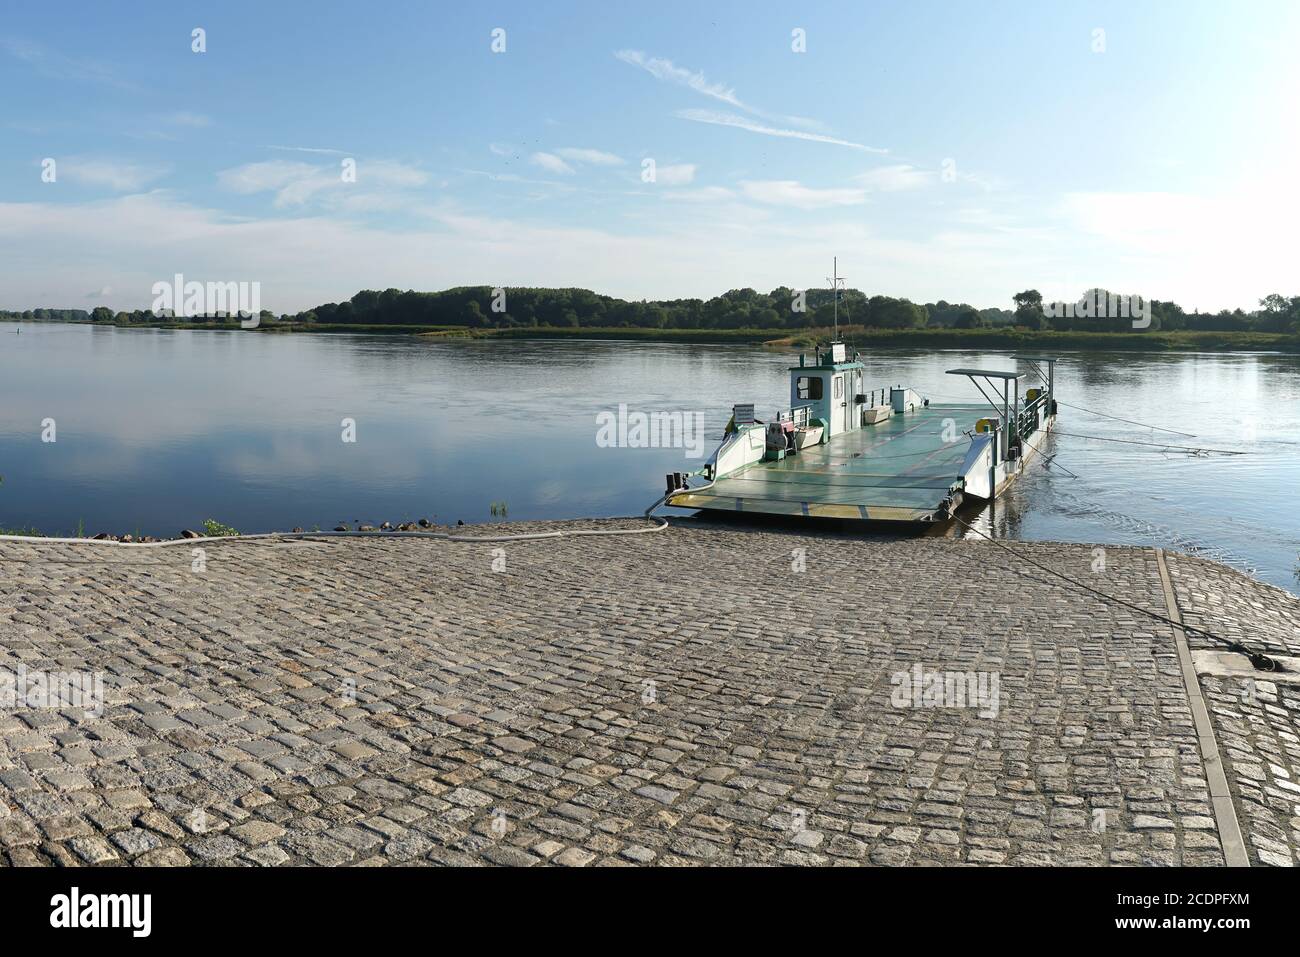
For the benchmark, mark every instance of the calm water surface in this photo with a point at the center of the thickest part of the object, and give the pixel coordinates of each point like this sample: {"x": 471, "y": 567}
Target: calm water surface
{"x": 159, "y": 430}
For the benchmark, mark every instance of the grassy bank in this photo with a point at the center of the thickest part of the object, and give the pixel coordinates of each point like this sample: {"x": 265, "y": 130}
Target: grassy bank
{"x": 991, "y": 339}
{"x": 638, "y": 334}
{"x": 1001, "y": 339}
{"x": 947, "y": 338}
{"x": 234, "y": 325}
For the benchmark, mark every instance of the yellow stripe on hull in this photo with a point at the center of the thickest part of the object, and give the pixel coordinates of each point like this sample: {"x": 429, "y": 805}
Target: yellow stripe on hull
{"x": 882, "y": 513}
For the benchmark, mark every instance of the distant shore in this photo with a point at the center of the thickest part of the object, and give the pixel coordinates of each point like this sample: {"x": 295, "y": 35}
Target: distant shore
{"x": 933, "y": 338}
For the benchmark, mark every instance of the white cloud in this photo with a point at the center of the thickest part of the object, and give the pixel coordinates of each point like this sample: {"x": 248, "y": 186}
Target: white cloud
{"x": 662, "y": 69}
{"x": 888, "y": 179}
{"x": 306, "y": 149}
{"x": 592, "y": 157}
{"x": 1162, "y": 245}
{"x": 705, "y": 194}
{"x": 389, "y": 173}
{"x": 987, "y": 183}
{"x": 788, "y": 192}
{"x": 1226, "y": 247}
{"x": 267, "y": 175}
{"x": 552, "y": 164}
{"x": 302, "y": 261}
{"x": 119, "y": 175}
{"x": 296, "y": 182}
{"x": 678, "y": 174}
{"x": 744, "y": 123}
{"x": 669, "y": 72}
{"x": 58, "y": 66}
{"x": 1209, "y": 251}
{"x": 554, "y": 185}
{"x": 1146, "y": 221}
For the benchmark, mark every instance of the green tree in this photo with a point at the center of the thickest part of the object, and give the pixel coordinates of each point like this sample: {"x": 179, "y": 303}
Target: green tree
{"x": 968, "y": 317}
{"x": 1279, "y": 314}
{"x": 884, "y": 312}
{"x": 1029, "y": 310}
{"x": 1030, "y": 298}
{"x": 471, "y": 314}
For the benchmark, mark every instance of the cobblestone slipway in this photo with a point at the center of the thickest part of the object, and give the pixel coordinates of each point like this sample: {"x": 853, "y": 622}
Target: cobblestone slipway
{"x": 686, "y": 697}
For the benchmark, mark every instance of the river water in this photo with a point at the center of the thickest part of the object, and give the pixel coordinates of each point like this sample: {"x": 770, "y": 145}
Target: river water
{"x": 157, "y": 430}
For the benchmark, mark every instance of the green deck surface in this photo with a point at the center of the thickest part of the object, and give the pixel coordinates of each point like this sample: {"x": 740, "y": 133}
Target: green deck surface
{"x": 899, "y": 469}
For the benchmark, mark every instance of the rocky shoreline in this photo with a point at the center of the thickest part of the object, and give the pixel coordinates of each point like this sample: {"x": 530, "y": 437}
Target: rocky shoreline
{"x": 420, "y": 525}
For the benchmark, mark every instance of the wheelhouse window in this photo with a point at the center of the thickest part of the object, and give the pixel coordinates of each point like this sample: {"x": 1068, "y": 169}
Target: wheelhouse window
{"x": 808, "y": 387}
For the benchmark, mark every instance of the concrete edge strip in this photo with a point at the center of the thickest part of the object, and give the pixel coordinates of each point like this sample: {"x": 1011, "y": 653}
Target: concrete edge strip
{"x": 1225, "y": 814}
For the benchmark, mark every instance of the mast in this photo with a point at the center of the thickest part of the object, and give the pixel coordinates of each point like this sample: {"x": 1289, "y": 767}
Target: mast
{"x": 835, "y": 281}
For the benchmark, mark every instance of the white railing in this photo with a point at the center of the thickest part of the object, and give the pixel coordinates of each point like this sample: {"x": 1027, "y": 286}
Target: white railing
{"x": 799, "y": 415}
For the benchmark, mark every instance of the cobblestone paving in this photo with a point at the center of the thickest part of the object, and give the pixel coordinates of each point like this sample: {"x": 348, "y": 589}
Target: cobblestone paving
{"x": 1256, "y": 721}
{"x": 686, "y": 697}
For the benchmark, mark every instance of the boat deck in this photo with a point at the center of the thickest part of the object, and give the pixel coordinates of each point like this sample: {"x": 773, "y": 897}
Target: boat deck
{"x": 897, "y": 470}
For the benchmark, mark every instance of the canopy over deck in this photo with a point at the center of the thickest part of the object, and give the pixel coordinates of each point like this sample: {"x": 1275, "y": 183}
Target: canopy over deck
{"x": 988, "y": 373}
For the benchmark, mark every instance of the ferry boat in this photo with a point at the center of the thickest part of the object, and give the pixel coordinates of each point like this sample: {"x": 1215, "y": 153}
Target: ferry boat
{"x": 845, "y": 450}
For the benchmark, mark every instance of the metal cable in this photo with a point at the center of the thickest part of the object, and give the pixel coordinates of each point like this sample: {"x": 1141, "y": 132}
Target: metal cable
{"x": 1260, "y": 660}
{"x": 1105, "y": 415}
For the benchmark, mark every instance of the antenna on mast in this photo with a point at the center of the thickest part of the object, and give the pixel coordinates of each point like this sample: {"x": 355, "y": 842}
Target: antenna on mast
{"x": 837, "y": 283}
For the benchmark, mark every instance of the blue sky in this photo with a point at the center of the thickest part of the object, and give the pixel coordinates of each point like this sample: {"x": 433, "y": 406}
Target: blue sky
{"x": 940, "y": 150}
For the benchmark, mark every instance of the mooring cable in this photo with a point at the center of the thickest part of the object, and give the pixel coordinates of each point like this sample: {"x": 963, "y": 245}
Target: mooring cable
{"x": 1145, "y": 425}
{"x": 263, "y": 537}
{"x": 1191, "y": 449}
{"x": 1050, "y": 462}
{"x": 1261, "y": 661}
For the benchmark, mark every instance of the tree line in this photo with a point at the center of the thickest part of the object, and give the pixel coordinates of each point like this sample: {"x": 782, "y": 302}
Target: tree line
{"x": 482, "y": 307}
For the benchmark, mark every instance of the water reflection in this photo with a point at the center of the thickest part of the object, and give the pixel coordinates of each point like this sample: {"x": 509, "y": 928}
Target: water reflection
{"x": 158, "y": 430}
